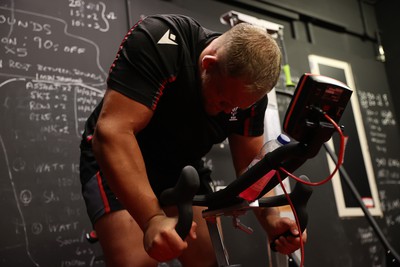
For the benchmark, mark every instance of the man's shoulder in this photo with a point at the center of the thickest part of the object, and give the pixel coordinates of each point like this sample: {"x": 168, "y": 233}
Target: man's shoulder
{"x": 176, "y": 20}
{"x": 183, "y": 24}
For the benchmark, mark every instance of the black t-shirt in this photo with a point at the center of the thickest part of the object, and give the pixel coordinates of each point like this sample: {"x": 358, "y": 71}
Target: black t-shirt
{"x": 157, "y": 65}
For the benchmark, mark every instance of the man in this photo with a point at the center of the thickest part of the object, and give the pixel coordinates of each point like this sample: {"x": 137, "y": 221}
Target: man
{"x": 174, "y": 90}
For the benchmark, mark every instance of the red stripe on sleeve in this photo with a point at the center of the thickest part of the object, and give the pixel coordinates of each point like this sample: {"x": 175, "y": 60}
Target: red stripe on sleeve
{"x": 247, "y": 122}
{"x": 122, "y": 45}
{"x": 161, "y": 91}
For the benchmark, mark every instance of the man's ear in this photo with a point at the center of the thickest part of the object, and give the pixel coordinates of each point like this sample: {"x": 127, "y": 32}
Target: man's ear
{"x": 208, "y": 62}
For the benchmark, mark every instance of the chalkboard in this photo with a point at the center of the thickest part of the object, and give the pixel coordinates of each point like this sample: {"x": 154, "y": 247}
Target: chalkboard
{"x": 358, "y": 153}
{"x": 53, "y": 67}
{"x": 372, "y": 162}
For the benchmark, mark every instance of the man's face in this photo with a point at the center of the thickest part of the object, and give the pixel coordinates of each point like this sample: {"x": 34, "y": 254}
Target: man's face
{"x": 222, "y": 94}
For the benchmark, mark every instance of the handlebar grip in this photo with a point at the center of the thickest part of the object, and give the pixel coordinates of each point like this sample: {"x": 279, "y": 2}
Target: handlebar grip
{"x": 300, "y": 195}
{"x": 182, "y": 196}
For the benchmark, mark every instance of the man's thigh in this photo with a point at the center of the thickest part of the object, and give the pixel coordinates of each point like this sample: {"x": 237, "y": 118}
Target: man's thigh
{"x": 122, "y": 241}
{"x": 200, "y": 252}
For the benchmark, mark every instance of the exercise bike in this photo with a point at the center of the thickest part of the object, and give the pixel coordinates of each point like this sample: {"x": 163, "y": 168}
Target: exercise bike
{"x": 311, "y": 119}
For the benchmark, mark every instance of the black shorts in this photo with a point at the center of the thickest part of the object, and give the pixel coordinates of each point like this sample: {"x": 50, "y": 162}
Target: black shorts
{"x": 99, "y": 198}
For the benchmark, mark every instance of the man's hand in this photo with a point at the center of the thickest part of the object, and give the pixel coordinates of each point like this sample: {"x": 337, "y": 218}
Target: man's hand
{"x": 277, "y": 226}
{"x": 161, "y": 241}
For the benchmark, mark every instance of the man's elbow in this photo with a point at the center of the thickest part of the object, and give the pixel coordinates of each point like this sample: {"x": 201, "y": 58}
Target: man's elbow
{"x": 101, "y": 137}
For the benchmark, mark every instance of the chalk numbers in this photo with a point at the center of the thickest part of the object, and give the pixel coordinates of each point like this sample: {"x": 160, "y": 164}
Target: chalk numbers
{"x": 90, "y": 15}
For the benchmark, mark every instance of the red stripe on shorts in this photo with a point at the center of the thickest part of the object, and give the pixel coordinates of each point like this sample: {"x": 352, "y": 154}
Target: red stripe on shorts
{"x": 103, "y": 193}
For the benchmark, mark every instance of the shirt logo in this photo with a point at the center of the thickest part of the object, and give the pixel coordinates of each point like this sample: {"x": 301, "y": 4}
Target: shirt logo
{"x": 233, "y": 114}
{"x": 168, "y": 38}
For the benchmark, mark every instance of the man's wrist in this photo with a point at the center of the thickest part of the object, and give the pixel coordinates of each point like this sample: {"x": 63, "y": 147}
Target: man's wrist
{"x": 147, "y": 213}
{"x": 273, "y": 211}
{"x": 150, "y": 219}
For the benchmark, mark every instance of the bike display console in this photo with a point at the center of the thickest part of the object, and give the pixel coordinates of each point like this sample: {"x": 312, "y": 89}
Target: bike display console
{"x": 315, "y": 95}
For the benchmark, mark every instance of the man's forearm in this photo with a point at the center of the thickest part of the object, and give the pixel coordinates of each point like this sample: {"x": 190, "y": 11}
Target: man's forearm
{"x": 121, "y": 161}
{"x": 265, "y": 216}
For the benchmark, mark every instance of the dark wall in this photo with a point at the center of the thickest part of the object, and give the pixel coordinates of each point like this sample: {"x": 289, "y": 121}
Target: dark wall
{"x": 388, "y": 21}
{"x": 53, "y": 69}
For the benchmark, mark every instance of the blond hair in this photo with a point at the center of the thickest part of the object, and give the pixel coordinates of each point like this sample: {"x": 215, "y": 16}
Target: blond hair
{"x": 250, "y": 53}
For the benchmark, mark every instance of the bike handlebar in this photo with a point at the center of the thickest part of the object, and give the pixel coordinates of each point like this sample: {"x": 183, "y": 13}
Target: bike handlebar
{"x": 182, "y": 196}
{"x": 299, "y": 196}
